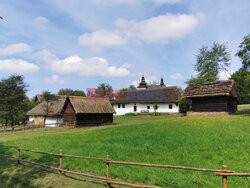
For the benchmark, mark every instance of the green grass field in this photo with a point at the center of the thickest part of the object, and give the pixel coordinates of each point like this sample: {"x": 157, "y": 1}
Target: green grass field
{"x": 205, "y": 142}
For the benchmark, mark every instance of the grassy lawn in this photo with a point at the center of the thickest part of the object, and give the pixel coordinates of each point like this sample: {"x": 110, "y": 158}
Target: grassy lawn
{"x": 205, "y": 142}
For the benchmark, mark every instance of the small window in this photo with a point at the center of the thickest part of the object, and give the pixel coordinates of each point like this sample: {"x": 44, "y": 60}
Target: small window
{"x": 148, "y": 107}
{"x": 123, "y": 105}
{"x": 170, "y": 106}
{"x": 176, "y": 104}
{"x": 119, "y": 106}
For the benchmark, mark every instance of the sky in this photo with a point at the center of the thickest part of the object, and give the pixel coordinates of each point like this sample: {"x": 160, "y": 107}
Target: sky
{"x": 79, "y": 44}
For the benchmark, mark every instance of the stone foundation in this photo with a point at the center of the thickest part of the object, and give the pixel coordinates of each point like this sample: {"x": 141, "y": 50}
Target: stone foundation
{"x": 199, "y": 114}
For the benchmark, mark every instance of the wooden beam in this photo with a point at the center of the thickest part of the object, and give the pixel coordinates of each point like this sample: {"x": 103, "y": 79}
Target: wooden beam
{"x": 168, "y": 166}
{"x": 128, "y": 184}
{"x": 232, "y": 174}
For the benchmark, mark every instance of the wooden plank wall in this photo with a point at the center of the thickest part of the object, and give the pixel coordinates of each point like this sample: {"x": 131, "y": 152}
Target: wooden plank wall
{"x": 69, "y": 115}
{"x": 210, "y": 104}
{"x": 84, "y": 119}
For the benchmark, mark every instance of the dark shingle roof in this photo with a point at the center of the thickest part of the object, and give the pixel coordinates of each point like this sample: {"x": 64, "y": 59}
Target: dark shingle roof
{"x": 163, "y": 95}
{"x": 211, "y": 89}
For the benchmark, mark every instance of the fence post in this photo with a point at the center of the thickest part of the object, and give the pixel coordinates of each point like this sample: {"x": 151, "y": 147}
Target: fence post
{"x": 107, "y": 166}
{"x": 18, "y": 154}
{"x": 224, "y": 178}
{"x": 61, "y": 159}
{"x": 23, "y": 127}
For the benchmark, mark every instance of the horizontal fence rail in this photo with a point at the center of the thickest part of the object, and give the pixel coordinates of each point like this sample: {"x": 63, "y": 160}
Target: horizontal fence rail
{"x": 233, "y": 174}
{"x": 128, "y": 184}
{"x": 224, "y": 172}
{"x": 63, "y": 155}
{"x": 168, "y": 166}
{"x": 21, "y": 127}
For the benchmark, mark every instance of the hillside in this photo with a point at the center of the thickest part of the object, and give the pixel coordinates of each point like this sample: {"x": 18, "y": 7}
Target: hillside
{"x": 205, "y": 142}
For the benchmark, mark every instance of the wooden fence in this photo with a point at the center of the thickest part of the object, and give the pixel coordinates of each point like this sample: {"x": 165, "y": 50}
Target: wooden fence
{"x": 108, "y": 180}
{"x": 5, "y": 130}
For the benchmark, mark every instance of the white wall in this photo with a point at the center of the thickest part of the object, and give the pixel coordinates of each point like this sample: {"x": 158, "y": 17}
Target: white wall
{"x": 129, "y": 108}
{"x": 52, "y": 121}
{"x": 31, "y": 118}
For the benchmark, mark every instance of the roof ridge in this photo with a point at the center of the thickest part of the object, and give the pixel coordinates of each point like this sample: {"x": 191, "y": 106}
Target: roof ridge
{"x": 219, "y": 81}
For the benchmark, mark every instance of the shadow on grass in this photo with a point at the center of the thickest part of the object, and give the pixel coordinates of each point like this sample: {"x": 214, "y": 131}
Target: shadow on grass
{"x": 13, "y": 174}
{"x": 244, "y": 112}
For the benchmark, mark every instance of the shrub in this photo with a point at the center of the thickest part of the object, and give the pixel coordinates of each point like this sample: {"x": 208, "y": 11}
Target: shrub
{"x": 184, "y": 105}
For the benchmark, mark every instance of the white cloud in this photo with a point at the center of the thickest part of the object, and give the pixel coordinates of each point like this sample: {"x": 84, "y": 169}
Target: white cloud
{"x": 195, "y": 74}
{"x": 176, "y": 76}
{"x": 90, "y": 67}
{"x": 17, "y": 66}
{"x": 158, "y": 29}
{"x": 160, "y": 2}
{"x": 133, "y": 2}
{"x": 15, "y": 49}
{"x": 41, "y": 22}
{"x": 41, "y": 19}
{"x": 100, "y": 39}
{"x": 54, "y": 79}
{"x": 225, "y": 75}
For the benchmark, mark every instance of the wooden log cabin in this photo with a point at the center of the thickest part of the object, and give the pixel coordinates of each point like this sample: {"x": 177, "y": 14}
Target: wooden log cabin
{"x": 73, "y": 110}
{"x": 220, "y": 96}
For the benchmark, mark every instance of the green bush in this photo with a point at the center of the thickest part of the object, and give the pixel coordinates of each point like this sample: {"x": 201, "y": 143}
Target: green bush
{"x": 184, "y": 105}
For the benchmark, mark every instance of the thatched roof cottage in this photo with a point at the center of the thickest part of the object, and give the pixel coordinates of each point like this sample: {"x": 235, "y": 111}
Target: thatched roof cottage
{"x": 73, "y": 110}
{"x": 220, "y": 96}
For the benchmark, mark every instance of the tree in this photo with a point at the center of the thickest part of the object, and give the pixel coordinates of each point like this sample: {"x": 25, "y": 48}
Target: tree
{"x": 184, "y": 104}
{"x": 24, "y": 107}
{"x": 131, "y": 88}
{"x": 242, "y": 76}
{"x": 155, "y": 106}
{"x": 244, "y": 53}
{"x": 242, "y": 80}
{"x": 209, "y": 62}
{"x": 104, "y": 90}
{"x": 49, "y": 100}
{"x": 12, "y": 95}
{"x": 71, "y": 92}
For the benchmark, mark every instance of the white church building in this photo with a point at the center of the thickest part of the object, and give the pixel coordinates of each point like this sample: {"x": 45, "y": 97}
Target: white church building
{"x": 145, "y": 97}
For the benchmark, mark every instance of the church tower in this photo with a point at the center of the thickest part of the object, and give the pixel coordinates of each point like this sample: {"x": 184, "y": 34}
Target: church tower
{"x": 143, "y": 84}
{"x": 162, "y": 82}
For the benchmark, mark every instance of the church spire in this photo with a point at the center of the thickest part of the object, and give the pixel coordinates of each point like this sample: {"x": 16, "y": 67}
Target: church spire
{"x": 143, "y": 84}
{"x": 162, "y": 82}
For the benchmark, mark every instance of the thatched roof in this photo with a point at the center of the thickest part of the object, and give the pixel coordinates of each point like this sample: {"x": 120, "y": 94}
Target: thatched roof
{"x": 91, "y": 105}
{"x": 162, "y": 95}
{"x": 55, "y": 108}
{"x": 39, "y": 98}
{"x": 212, "y": 89}
{"x": 80, "y": 105}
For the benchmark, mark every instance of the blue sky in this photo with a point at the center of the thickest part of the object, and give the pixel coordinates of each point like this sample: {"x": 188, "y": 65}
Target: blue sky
{"x": 80, "y": 43}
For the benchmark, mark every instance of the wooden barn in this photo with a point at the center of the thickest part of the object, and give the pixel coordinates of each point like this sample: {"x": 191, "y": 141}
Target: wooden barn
{"x": 220, "y": 96}
{"x": 78, "y": 111}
